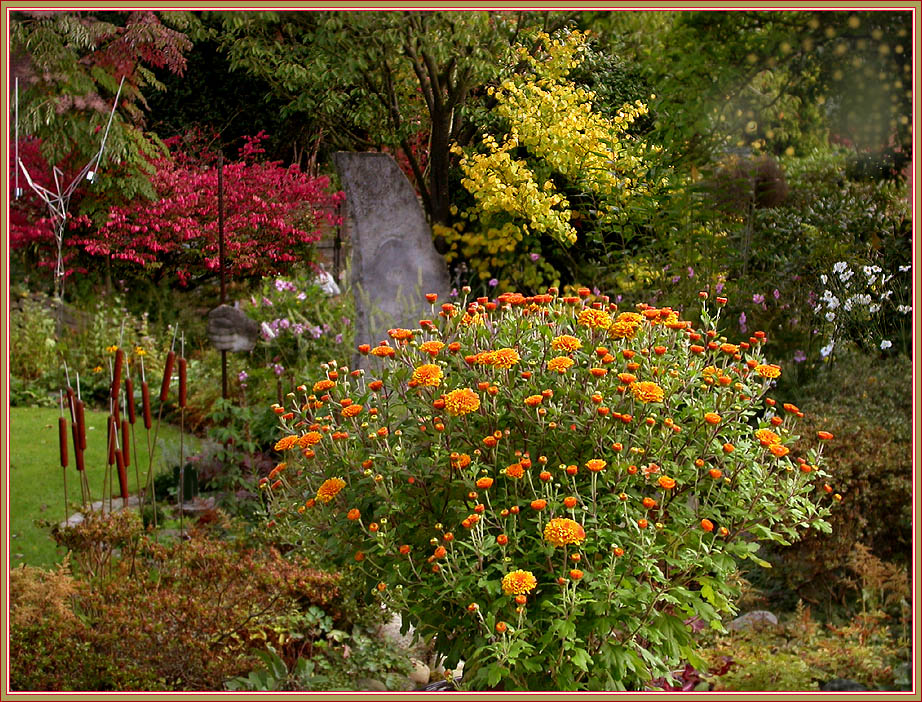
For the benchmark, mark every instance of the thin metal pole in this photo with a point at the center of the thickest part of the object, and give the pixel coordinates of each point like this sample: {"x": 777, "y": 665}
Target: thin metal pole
{"x": 16, "y": 192}
{"x": 221, "y": 263}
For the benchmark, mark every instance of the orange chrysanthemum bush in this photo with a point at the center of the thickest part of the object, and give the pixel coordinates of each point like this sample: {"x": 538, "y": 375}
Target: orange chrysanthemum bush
{"x": 547, "y": 487}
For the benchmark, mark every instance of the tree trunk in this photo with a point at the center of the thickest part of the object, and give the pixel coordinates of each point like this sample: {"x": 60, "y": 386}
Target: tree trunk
{"x": 439, "y": 159}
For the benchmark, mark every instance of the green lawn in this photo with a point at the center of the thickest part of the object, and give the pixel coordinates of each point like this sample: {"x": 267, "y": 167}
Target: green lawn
{"x": 37, "y": 480}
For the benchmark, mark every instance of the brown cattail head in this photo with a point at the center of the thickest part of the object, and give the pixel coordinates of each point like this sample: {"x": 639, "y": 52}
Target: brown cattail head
{"x": 62, "y": 440}
{"x": 111, "y": 440}
{"x": 81, "y": 425}
{"x": 117, "y": 374}
{"x": 129, "y": 398}
{"x": 145, "y": 404}
{"x": 126, "y": 454}
{"x": 167, "y": 376}
{"x": 122, "y": 475}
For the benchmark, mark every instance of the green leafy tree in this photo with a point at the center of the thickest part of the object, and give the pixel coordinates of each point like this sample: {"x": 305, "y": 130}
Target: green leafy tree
{"x": 383, "y": 79}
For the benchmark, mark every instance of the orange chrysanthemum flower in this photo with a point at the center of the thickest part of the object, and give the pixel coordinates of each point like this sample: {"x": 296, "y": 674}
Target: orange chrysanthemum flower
{"x": 769, "y": 370}
{"x": 767, "y": 437}
{"x": 595, "y": 465}
{"x": 505, "y": 358}
{"x": 461, "y": 401}
{"x": 561, "y": 531}
{"x": 538, "y": 505}
{"x": 484, "y": 483}
{"x": 352, "y": 411}
{"x": 594, "y": 319}
{"x": 533, "y": 400}
{"x": 515, "y": 471}
{"x": 729, "y": 348}
{"x": 625, "y": 325}
{"x": 707, "y": 525}
{"x": 428, "y": 374}
{"x": 309, "y": 439}
{"x": 598, "y": 372}
{"x": 353, "y": 515}
{"x": 824, "y": 436}
{"x": 712, "y": 418}
{"x": 382, "y": 351}
{"x": 323, "y": 385}
{"x": 567, "y": 343}
{"x": 459, "y": 460}
{"x": 560, "y": 364}
{"x": 400, "y": 334}
{"x": 519, "y": 582}
{"x": 431, "y": 347}
{"x": 778, "y": 450}
{"x": 286, "y": 442}
{"x": 666, "y": 482}
{"x": 627, "y": 378}
{"x": 647, "y": 392}
{"x": 329, "y": 489}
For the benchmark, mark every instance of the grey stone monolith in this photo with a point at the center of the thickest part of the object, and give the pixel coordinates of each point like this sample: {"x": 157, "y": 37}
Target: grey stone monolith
{"x": 394, "y": 263}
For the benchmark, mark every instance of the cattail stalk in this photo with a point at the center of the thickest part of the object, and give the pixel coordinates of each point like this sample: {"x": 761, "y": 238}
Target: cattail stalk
{"x": 117, "y": 374}
{"x": 126, "y": 454}
{"x": 167, "y": 376}
{"x": 122, "y": 477}
{"x": 129, "y": 397}
{"x": 62, "y": 444}
{"x": 182, "y": 382}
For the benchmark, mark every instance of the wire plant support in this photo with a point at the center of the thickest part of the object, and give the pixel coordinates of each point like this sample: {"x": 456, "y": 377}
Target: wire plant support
{"x": 58, "y": 201}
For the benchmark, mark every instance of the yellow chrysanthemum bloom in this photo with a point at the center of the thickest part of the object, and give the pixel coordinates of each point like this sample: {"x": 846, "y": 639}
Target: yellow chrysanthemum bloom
{"x": 561, "y": 531}
{"x": 560, "y": 364}
{"x": 519, "y": 582}
{"x": 566, "y": 342}
{"x": 428, "y": 374}
{"x": 646, "y": 392}
{"x": 330, "y": 489}
{"x": 767, "y": 437}
{"x": 469, "y": 320}
{"x": 505, "y": 358}
{"x": 768, "y": 370}
{"x": 461, "y": 401}
{"x": 625, "y": 326}
{"x": 594, "y": 319}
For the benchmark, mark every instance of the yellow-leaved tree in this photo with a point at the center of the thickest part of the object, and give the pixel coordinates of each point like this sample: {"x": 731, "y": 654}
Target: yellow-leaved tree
{"x": 558, "y": 169}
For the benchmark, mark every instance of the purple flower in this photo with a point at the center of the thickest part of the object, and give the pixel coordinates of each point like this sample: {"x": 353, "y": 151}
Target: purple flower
{"x": 284, "y": 323}
{"x": 691, "y": 272}
{"x": 493, "y": 282}
{"x": 666, "y": 267}
{"x": 676, "y": 278}
{"x": 596, "y": 291}
{"x": 743, "y": 322}
{"x": 302, "y": 296}
{"x": 346, "y": 321}
{"x": 338, "y": 339}
{"x": 758, "y": 299}
{"x": 297, "y": 329}
{"x": 618, "y": 298}
{"x": 776, "y": 293}
{"x": 719, "y": 288}
{"x": 453, "y": 293}
{"x": 278, "y": 369}
{"x": 242, "y": 378}
{"x": 316, "y": 332}
{"x": 799, "y": 356}
{"x": 534, "y": 256}
{"x": 266, "y": 301}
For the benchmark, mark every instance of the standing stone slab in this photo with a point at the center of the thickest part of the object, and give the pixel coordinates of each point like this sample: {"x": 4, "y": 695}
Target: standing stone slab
{"x": 393, "y": 260}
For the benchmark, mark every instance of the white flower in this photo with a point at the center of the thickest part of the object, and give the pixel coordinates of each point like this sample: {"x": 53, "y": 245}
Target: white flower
{"x": 823, "y": 279}
{"x": 845, "y": 275}
{"x": 886, "y": 295}
{"x": 826, "y": 350}
{"x": 903, "y": 269}
{"x": 839, "y": 267}
{"x": 904, "y": 309}
{"x": 874, "y": 309}
{"x": 830, "y": 316}
{"x": 267, "y": 331}
{"x": 885, "y": 344}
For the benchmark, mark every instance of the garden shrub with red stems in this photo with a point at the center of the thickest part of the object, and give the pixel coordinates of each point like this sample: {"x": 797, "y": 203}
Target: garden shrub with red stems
{"x": 547, "y": 486}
